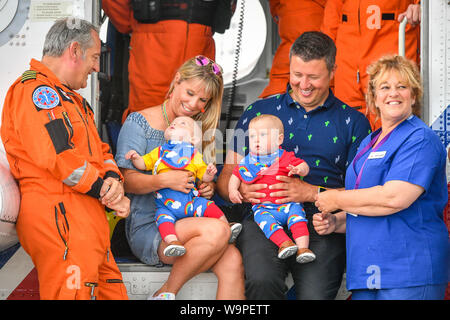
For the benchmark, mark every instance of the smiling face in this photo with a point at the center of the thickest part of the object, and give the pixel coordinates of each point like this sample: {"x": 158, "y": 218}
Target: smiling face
{"x": 87, "y": 63}
{"x": 265, "y": 135}
{"x": 309, "y": 81}
{"x": 393, "y": 98}
{"x": 189, "y": 97}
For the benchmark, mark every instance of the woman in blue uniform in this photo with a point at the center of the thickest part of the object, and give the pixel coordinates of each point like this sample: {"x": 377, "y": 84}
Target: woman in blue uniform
{"x": 396, "y": 191}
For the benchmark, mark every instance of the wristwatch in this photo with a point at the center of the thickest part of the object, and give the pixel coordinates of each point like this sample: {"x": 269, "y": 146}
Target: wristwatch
{"x": 321, "y": 189}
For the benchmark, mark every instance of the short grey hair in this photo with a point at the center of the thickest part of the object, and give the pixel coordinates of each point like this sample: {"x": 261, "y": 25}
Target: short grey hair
{"x": 64, "y": 32}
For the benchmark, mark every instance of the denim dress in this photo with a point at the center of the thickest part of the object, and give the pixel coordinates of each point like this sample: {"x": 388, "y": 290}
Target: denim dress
{"x": 140, "y": 226}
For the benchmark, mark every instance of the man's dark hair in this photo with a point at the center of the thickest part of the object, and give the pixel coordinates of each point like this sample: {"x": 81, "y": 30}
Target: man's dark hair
{"x": 314, "y": 45}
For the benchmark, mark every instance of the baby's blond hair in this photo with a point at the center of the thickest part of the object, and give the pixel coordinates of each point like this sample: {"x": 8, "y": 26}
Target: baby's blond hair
{"x": 275, "y": 121}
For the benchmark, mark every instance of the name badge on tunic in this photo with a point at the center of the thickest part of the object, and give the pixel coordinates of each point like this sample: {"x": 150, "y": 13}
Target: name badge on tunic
{"x": 377, "y": 155}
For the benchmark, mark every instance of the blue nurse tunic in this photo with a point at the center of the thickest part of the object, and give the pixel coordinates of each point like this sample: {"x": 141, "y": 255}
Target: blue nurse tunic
{"x": 411, "y": 247}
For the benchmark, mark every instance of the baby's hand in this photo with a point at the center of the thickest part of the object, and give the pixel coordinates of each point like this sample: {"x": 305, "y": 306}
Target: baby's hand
{"x": 211, "y": 169}
{"x": 235, "y": 196}
{"x": 131, "y": 155}
{"x": 210, "y": 172}
{"x": 302, "y": 169}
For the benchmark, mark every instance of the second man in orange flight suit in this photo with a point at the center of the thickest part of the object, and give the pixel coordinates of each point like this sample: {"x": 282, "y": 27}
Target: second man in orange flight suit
{"x": 365, "y": 30}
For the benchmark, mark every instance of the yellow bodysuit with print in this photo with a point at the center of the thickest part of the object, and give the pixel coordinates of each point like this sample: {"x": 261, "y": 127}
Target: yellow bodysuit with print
{"x": 197, "y": 166}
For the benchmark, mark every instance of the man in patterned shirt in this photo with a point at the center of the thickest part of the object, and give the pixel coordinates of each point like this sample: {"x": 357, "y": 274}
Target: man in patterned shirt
{"x": 326, "y": 133}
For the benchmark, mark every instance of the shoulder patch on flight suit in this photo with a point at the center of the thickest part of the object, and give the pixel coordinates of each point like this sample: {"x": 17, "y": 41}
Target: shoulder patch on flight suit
{"x": 28, "y": 75}
{"x": 45, "y": 97}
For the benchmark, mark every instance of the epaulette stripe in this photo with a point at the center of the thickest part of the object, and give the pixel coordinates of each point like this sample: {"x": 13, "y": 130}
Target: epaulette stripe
{"x": 29, "y": 74}
{"x": 27, "y": 78}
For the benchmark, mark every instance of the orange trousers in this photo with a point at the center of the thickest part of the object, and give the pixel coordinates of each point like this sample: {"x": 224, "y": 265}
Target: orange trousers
{"x": 72, "y": 257}
{"x": 293, "y": 18}
{"x": 156, "y": 52}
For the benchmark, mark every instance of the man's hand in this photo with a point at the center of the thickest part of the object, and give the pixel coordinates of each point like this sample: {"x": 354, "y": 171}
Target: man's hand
{"x": 293, "y": 190}
{"x": 249, "y": 192}
{"x": 111, "y": 192}
{"x": 122, "y": 208}
{"x": 412, "y": 13}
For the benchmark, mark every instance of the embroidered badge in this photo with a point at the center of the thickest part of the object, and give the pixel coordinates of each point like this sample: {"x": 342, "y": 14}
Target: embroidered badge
{"x": 45, "y": 97}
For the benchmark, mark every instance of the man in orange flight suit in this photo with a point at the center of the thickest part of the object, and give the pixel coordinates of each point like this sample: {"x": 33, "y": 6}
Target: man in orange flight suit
{"x": 177, "y": 31}
{"x": 365, "y": 30}
{"x": 65, "y": 172}
{"x": 293, "y": 17}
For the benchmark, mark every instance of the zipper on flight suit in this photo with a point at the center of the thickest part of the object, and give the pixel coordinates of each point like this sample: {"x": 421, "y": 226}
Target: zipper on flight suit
{"x": 66, "y": 250}
{"x": 92, "y": 285}
{"x": 85, "y": 121}
{"x": 69, "y": 125}
{"x": 85, "y": 125}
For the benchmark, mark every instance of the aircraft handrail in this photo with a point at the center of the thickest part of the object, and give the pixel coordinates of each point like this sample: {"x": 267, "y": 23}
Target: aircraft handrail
{"x": 401, "y": 37}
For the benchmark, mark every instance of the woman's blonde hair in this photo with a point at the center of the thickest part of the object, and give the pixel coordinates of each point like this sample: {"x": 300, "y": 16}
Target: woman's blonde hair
{"x": 214, "y": 88}
{"x": 408, "y": 72}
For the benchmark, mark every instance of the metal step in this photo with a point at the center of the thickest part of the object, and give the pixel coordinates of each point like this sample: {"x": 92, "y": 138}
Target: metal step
{"x": 142, "y": 280}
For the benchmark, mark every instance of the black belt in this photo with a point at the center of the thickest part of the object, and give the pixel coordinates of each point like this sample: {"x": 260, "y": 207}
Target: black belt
{"x": 384, "y": 16}
{"x": 205, "y": 18}
{"x": 192, "y": 11}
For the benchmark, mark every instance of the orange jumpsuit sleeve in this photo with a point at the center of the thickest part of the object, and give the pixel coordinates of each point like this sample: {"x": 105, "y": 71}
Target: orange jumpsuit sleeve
{"x": 120, "y": 13}
{"x": 62, "y": 160}
{"x": 109, "y": 164}
{"x": 331, "y": 17}
{"x": 274, "y": 5}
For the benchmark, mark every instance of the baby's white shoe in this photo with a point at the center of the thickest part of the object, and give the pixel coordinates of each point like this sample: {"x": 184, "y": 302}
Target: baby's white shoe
{"x": 162, "y": 296}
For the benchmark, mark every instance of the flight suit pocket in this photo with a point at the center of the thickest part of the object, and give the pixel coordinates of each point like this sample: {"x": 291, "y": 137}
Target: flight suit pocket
{"x": 59, "y": 135}
{"x": 113, "y": 289}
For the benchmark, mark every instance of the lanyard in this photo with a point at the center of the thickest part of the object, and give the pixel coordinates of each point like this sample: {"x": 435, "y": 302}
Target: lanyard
{"x": 363, "y": 151}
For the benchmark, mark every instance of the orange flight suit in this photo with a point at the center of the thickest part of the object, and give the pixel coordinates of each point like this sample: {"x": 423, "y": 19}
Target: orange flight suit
{"x": 364, "y": 31}
{"x": 293, "y": 18}
{"x": 56, "y": 155}
{"x": 157, "y": 50}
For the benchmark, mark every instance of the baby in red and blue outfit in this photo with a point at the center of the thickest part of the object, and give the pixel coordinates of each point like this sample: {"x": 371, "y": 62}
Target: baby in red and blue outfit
{"x": 265, "y": 161}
